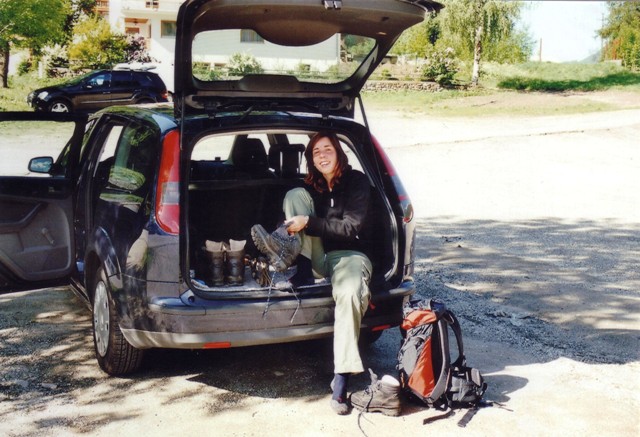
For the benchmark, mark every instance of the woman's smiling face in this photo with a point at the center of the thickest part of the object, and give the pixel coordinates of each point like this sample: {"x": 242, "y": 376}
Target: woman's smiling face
{"x": 325, "y": 158}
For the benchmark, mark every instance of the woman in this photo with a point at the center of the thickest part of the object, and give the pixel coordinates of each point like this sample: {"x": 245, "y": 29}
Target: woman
{"x": 329, "y": 217}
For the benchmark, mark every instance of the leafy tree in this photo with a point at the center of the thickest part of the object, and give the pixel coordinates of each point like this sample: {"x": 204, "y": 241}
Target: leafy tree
{"x": 79, "y": 9}
{"x": 419, "y": 39}
{"x": 481, "y": 30}
{"x": 95, "y": 45}
{"x": 476, "y": 30}
{"x": 30, "y": 24}
{"x": 622, "y": 34}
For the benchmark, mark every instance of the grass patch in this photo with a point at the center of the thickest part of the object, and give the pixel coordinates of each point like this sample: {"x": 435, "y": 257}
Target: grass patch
{"x": 14, "y": 98}
{"x": 524, "y": 89}
{"x": 548, "y": 77}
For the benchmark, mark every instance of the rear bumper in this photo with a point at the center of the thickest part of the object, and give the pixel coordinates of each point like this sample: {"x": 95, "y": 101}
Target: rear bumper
{"x": 176, "y": 324}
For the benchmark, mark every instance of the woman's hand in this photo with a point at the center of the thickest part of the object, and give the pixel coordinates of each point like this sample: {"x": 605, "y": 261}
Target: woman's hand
{"x": 297, "y": 223}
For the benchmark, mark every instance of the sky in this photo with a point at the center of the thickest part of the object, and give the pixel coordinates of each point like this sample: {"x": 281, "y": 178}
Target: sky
{"x": 566, "y": 30}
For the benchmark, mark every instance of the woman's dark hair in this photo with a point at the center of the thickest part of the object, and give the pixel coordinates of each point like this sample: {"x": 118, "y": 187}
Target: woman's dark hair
{"x": 314, "y": 177}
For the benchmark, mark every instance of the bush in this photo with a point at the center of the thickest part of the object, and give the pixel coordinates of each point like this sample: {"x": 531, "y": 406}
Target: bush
{"x": 95, "y": 45}
{"x": 241, "y": 64}
{"x": 440, "y": 66}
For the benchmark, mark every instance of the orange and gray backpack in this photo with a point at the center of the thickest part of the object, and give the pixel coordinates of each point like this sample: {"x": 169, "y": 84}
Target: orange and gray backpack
{"x": 424, "y": 364}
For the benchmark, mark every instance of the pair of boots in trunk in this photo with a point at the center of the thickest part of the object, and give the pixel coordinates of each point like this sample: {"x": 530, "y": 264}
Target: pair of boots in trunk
{"x": 226, "y": 262}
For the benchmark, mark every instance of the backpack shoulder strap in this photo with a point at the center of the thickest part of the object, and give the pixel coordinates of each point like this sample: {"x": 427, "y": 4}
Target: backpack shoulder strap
{"x": 453, "y": 323}
{"x": 442, "y": 382}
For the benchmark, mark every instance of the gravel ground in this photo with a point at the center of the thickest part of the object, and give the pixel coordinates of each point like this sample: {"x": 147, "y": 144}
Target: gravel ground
{"x": 528, "y": 228}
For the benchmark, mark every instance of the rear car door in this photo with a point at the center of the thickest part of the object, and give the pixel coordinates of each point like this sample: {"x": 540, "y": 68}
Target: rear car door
{"x": 123, "y": 87}
{"x": 39, "y": 167}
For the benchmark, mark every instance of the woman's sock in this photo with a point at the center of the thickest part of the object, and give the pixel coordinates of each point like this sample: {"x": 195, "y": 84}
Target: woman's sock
{"x": 339, "y": 386}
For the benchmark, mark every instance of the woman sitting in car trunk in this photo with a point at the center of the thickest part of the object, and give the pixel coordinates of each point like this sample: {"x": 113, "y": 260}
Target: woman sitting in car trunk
{"x": 329, "y": 216}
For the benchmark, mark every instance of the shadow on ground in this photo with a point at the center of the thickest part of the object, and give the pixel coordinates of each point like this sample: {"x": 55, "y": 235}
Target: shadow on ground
{"x": 578, "y": 280}
{"x": 525, "y": 292}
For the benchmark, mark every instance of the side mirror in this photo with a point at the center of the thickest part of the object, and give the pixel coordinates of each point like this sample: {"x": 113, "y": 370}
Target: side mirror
{"x": 41, "y": 164}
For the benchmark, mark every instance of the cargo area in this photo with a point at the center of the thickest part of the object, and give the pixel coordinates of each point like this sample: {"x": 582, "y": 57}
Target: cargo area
{"x": 237, "y": 181}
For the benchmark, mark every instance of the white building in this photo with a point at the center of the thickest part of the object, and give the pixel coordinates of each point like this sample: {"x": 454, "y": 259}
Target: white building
{"x": 155, "y": 20}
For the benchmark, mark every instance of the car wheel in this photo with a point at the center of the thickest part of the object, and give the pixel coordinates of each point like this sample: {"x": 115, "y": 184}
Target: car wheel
{"x": 114, "y": 354}
{"x": 59, "y": 106}
{"x": 145, "y": 101}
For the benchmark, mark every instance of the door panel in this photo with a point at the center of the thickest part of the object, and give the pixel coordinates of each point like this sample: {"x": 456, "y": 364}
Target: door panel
{"x": 35, "y": 243}
{"x": 36, "y": 237}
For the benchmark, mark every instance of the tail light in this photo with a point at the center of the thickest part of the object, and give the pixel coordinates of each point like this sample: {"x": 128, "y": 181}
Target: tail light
{"x": 403, "y": 197}
{"x": 168, "y": 188}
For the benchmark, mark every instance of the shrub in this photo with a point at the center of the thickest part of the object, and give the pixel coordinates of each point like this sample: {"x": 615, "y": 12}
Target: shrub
{"x": 241, "y": 64}
{"x": 440, "y": 66}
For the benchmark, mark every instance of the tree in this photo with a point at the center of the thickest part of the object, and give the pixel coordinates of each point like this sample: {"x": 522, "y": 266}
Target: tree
{"x": 79, "y": 9}
{"x": 481, "y": 30}
{"x": 95, "y": 45}
{"x": 622, "y": 34}
{"x": 31, "y": 24}
{"x": 419, "y": 39}
{"x": 476, "y": 30}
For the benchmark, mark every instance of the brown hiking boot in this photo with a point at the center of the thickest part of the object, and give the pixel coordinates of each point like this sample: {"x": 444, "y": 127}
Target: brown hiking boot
{"x": 280, "y": 248}
{"x": 380, "y": 396}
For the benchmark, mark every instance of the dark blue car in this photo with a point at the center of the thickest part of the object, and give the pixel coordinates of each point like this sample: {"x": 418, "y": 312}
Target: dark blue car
{"x": 98, "y": 89}
{"x": 125, "y": 212}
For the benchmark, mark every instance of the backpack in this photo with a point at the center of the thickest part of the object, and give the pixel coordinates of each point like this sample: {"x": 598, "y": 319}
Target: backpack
{"x": 424, "y": 364}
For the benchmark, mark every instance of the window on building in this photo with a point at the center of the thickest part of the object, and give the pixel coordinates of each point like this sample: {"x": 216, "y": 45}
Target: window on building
{"x": 168, "y": 29}
{"x": 248, "y": 35}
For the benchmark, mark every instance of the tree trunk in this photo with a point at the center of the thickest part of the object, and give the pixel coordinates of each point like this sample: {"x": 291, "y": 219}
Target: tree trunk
{"x": 4, "y": 65}
{"x": 477, "y": 48}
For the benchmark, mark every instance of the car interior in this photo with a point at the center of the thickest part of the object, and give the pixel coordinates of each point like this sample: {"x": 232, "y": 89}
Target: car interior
{"x": 227, "y": 196}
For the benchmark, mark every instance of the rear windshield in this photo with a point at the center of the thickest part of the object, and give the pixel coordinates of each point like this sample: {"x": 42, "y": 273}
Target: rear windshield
{"x": 231, "y": 54}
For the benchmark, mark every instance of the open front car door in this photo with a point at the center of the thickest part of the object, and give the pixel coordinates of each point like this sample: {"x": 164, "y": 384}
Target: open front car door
{"x": 40, "y": 157}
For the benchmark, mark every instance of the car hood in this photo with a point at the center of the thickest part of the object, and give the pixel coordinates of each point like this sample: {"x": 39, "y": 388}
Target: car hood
{"x": 308, "y": 55}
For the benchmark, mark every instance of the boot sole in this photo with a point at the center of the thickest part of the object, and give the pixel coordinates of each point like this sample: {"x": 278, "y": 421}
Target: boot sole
{"x": 386, "y": 411}
{"x": 260, "y": 237}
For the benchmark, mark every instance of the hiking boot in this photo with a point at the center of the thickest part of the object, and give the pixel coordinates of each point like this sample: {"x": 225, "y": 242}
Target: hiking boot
{"x": 215, "y": 269}
{"x": 279, "y": 247}
{"x": 380, "y": 396}
{"x": 260, "y": 271}
{"x": 235, "y": 262}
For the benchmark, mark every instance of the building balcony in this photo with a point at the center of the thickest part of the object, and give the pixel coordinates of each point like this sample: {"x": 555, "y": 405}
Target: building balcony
{"x": 102, "y": 6}
{"x": 152, "y": 5}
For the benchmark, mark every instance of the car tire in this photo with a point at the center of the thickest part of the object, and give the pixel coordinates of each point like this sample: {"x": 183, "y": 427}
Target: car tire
{"x": 59, "y": 106}
{"x": 145, "y": 101}
{"x": 114, "y": 353}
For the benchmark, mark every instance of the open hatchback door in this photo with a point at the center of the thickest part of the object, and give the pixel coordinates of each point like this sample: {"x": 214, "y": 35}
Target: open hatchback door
{"x": 301, "y": 55}
{"x": 39, "y": 166}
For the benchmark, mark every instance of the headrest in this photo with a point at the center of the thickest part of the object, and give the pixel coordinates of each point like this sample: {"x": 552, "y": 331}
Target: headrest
{"x": 285, "y": 159}
{"x": 249, "y": 153}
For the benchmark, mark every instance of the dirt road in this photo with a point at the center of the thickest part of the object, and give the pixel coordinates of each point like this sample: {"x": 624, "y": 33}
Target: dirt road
{"x": 529, "y": 229}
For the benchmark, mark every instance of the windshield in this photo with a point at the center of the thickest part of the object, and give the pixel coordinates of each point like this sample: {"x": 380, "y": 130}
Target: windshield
{"x": 232, "y": 54}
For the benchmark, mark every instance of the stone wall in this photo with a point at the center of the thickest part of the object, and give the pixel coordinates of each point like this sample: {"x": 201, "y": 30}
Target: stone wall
{"x": 394, "y": 85}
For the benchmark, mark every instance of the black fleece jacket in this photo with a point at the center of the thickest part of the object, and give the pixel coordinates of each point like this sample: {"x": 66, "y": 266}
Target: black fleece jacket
{"x": 341, "y": 214}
